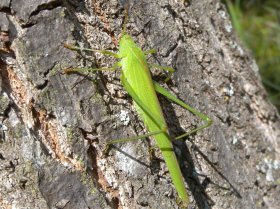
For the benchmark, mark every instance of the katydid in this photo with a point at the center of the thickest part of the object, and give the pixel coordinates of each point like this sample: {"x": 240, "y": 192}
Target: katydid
{"x": 137, "y": 81}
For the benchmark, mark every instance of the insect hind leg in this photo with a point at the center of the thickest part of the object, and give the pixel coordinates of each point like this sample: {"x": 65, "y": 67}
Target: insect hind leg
{"x": 205, "y": 118}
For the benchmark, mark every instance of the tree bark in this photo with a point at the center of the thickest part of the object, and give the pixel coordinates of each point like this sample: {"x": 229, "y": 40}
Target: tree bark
{"x": 54, "y": 126}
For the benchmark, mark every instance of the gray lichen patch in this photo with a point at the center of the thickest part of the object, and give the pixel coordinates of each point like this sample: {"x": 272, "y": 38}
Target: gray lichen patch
{"x": 18, "y": 174}
{"x": 4, "y": 103}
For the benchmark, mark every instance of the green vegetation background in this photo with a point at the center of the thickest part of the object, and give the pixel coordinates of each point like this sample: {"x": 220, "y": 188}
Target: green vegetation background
{"x": 257, "y": 23}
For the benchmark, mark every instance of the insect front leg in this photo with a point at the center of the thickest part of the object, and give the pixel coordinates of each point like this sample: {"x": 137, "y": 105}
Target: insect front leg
{"x": 83, "y": 70}
{"x": 105, "y": 52}
{"x": 169, "y": 69}
{"x": 151, "y": 51}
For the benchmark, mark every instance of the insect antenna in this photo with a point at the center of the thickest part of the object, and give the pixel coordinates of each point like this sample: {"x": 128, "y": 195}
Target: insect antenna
{"x": 125, "y": 22}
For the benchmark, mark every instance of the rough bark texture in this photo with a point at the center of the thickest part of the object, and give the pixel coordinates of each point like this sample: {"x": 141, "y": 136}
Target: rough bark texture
{"x": 54, "y": 127}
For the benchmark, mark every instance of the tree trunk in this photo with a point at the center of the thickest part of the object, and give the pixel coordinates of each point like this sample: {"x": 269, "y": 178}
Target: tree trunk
{"x": 55, "y": 126}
